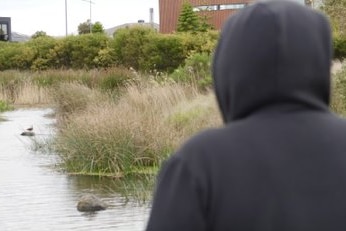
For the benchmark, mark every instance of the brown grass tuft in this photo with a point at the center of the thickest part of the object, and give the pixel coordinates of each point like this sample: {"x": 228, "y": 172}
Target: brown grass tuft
{"x": 139, "y": 130}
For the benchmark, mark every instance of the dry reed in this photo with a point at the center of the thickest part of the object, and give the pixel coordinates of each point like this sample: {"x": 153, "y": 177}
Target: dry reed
{"x": 139, "y": 130}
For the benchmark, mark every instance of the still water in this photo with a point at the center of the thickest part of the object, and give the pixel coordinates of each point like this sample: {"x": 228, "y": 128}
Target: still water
{"x": 35, "y": 196}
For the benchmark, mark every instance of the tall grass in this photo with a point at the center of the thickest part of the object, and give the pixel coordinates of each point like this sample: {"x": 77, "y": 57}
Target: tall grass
{"x": 338, "y": 102}
{"x": 138, "y": 130}
{"x": 34, "y": 88}
{"x": 99, "y": 134}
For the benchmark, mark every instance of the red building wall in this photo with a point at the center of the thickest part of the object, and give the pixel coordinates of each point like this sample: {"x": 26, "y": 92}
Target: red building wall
{"x": 170, "y": 11}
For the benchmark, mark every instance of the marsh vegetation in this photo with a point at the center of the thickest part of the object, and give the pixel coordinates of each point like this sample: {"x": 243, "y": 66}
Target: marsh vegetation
{"x": 114, "y": 122}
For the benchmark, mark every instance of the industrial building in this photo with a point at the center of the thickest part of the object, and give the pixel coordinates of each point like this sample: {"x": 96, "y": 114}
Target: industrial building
{"x": 217, "y": 11}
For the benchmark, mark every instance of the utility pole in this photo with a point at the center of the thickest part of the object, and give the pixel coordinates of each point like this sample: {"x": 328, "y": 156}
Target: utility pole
{"x": 90, "y": 2}
{"x": 66, "y": 18}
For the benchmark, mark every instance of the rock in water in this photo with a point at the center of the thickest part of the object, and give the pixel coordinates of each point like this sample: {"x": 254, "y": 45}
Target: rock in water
{"x": 27, "y": 133}
{"x": 90, "y": 203}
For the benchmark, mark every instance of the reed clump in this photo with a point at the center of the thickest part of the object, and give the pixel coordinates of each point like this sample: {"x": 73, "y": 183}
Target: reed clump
{"x": 137, "y": 131}
{"x": 74, "y": 97}
{"x": 141, "y": 127}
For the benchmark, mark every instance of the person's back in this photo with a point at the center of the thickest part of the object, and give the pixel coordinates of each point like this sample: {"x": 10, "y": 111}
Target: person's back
{"x": 279, "y": 163}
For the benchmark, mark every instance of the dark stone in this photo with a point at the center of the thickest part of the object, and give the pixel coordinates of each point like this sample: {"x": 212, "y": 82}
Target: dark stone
{"x": 90, "y": 203}
{"x": 27, "y": 133}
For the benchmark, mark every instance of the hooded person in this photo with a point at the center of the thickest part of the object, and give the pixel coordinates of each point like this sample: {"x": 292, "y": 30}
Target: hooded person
{"x": 279, "y": 161}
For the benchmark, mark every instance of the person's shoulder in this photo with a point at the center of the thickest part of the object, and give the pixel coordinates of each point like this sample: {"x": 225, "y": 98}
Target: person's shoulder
{"x": 201, "y": 143}
{"x": 337, "y": 121}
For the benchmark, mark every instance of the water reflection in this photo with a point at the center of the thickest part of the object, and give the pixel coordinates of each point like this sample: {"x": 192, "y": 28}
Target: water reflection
{"x": 34, "y": 196}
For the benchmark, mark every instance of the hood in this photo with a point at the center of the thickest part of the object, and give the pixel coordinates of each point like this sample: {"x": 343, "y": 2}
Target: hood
{"x": 272, "y": 54}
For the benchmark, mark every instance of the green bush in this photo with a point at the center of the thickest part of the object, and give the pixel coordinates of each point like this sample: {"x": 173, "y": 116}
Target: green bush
{"x": 83, "y": 50}
{"x": 145, "y": 50}
{"x": 41, "y": 47}
{"x": 105, "y": 58}
{"x": 164, "y": 53}
{"x": 204, "y": 42}
{"x": 197, "y": 71}
{"x": 5, "y": 106}
{"x": 61, "y": 54}
{"x": 140, "y": 48}
{"x": 15, "y": 56}
{"x": 128, "y": 45}
{"x": 339, "y": 44}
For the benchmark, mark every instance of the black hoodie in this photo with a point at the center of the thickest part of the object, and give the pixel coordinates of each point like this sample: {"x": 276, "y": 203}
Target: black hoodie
{"x": 279, "y": 162}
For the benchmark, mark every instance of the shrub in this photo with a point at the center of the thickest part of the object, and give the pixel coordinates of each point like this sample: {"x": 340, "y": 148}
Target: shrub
{"x": 140, "y": 48}
{"x": 128, "y": 45}
{"x": 105, "y": 58}
{"x": 15, "y": 56}
{"x": 203, "y": 42}
{"x": 164, "y": 53}
{"x": 61, "y": 54}
{"x": 84, "y": 50}
{"x": 339, "y": 44}
{"x": 41, "y": 47}
{"x": 197, "y": 71}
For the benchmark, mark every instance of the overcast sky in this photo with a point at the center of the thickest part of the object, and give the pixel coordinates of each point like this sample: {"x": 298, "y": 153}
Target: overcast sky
{"x": 29, "y": 16}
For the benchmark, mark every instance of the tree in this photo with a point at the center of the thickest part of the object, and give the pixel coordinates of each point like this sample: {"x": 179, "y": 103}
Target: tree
{"x": 85, "y": 27}
{"x": 188, "y": 20}
{"x": 191, "y": 21}
{"x": 39, "y": 34}
{"x": 97, "y": 28}
{"x": 205, "y": 25}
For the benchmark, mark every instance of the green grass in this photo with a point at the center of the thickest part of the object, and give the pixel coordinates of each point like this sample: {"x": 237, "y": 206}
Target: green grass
{"x": 4, "y": 106}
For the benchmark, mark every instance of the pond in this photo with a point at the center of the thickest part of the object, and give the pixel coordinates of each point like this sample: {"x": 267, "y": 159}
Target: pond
{"x": 35, "y": 196}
